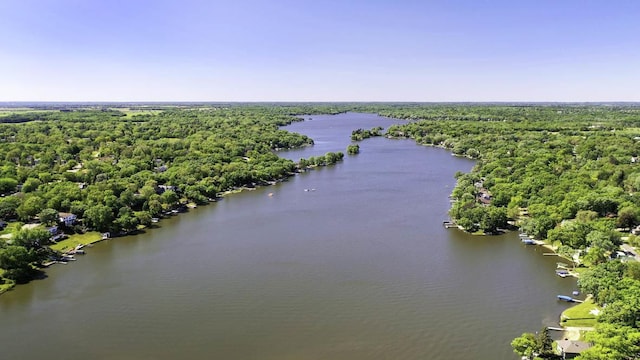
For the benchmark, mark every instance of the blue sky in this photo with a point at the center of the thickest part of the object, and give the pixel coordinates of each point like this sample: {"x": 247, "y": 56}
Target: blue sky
{"x": 281, "y": 50}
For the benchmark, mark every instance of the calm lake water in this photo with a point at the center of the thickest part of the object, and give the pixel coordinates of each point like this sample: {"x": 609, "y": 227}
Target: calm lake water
{"x": 357, "y": 267}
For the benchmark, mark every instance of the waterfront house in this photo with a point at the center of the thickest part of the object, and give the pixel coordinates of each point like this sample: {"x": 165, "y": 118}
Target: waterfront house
{"x": 67, "y": 218}
{"x": 570, "y": 349}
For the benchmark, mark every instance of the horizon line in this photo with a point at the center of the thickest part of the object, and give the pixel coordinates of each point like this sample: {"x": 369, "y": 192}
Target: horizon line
{"x": 101, "y": 102}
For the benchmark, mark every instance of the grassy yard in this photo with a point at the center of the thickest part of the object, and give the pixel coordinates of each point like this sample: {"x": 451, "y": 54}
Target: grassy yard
{"x": 12, "y": 227}
{"x": 77, "y": 239}
{"x": 579, "y": 270}
{"x": 581, "y": 315}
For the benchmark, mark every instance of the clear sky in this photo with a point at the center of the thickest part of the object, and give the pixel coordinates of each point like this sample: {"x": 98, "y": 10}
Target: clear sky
{"x": 319, "y": 50}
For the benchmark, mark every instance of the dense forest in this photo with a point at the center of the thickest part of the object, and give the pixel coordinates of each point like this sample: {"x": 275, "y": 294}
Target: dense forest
{"x": 569, "y": 175}
{"x": 565, "y": 174}
{"x": 115, "y": 170}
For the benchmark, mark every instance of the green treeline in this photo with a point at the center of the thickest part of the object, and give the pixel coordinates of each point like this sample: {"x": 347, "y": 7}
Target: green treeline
{"x": 567, "y": 174}
{"x": 116, "y": 171}
{"x": 361, "y": 134}
{"x": 329, "y": 158}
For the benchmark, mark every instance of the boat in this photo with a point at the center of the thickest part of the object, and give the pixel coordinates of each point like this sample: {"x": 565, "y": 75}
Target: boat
{"x": 155, "y": 220}
{"x": 562, "y": 273}
{"x": 449, "y": 224}
{"x": 565, "y": 298}
{"x": 528, "y": 241}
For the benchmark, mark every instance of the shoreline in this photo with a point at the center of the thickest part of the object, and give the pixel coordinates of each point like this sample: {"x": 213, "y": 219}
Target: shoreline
{"x": 76, "y": 241}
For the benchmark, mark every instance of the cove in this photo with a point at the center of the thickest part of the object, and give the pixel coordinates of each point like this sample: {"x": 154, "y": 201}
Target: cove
{"x": 359, "y": 268}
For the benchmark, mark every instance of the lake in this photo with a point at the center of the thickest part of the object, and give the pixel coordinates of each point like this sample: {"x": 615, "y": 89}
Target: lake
{"x": 343, "y": 262}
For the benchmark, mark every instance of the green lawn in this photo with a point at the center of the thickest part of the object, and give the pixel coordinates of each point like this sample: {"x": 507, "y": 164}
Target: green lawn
{"x": 12, "y": 227}
{"x": 580, "y": 315}
{"x": 77, "y": 239}
{"x": 579, "y": 270}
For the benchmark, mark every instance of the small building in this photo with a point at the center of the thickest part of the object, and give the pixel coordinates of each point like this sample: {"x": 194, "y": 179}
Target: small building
{"x": 163, "y": 188}
{"x": 67, "y": 218}
{"x": 570, "y": 349}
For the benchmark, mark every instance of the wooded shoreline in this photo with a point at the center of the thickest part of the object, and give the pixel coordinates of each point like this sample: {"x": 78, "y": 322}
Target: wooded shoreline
{"x": 569, "y": 174}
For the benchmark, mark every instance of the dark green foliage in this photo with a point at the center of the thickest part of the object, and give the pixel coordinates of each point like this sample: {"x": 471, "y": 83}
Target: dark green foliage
{"x": 353, "y": 149}
{"x": 361, "y": 134}
{"x": 17, "y": 261}
{"x": 8, "y": 185}
{"x": 530, "y": 345}
{"x": 48, "y": 216}
{"x": 32, "y": 238}
{"x": 329, "y": 158}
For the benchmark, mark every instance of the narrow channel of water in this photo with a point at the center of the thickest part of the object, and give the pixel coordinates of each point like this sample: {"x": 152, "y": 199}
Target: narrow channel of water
{"x": 358, "y": 266}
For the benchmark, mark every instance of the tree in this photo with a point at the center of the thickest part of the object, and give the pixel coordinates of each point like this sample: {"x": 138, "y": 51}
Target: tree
{"x": 607, "y": 241}
{"x": 9, "y": 207}
{"x": 595, "y": 256}
{"x": 144, "y": 218}
{"x": 586, "y": 215}
{"x": 602, "y": 281}
{"x": 611, "y": 342}
{"x": 624, "y": 307}
{"x": 49, "y": 216}
{"x": 32, "y": 238}
{"x": 627, "y": 217}
{"x": 353, "y": 149}
{"x": 169, "y": 197}
{"x": 127, "y": 222}
{"x": 30, "y": 207}
{"x": 544, "y": 343}
{"x": 31, "y": 184}
{"x": 303, "y": 163}
{"x": 99, "y": 217}
{"x": 467, "y": 224}
{"x": 493, "y": 218}
{"x": 525, "y": 345}
{"x": 146, "y": 191}
{"x": 8, "y": 185}
{"x": 539, "y": 226}
{"x": 17, "y": 262}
